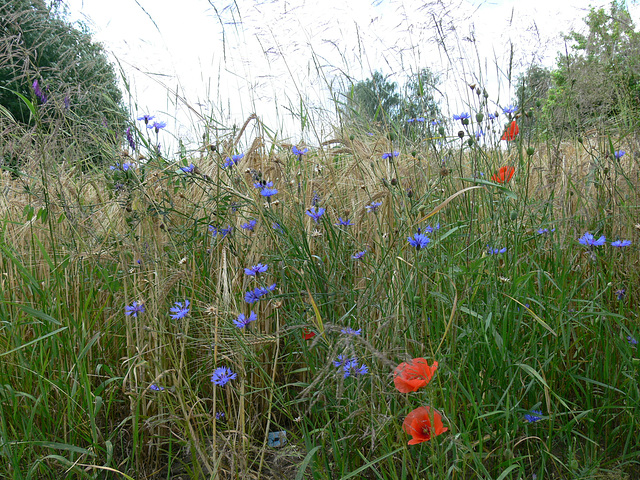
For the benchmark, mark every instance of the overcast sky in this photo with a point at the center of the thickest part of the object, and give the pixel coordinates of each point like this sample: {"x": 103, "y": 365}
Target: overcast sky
{"x": 224, "y": 59}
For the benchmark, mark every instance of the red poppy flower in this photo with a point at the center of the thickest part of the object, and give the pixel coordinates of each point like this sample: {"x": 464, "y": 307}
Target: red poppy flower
{"x": 409, "y": 377}
{"x": 504, "y": 175}
{"x": 511, "y": 132}
{"x": 308, "y": 334}
{"x": 422, "y": 424}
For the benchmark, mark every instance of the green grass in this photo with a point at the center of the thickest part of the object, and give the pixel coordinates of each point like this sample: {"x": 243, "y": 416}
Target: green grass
{"x": 539, "y": 327}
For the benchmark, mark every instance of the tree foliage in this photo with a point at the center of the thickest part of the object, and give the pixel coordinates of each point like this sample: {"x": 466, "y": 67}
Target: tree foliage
{"x": 597, "y": 83}
{"x": 377, "y": 100}
{"x": 72, "y": 71}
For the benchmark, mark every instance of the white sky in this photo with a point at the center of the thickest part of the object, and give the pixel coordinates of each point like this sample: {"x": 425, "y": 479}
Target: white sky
{"x": 227, "y": 59}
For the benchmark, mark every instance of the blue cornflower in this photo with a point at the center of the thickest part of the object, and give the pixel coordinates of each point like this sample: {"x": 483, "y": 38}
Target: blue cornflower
{"x": 395, "y": 153}
{"x": 542, "y": 231}
{"x": 462, "y": 116}
{"x": 38, "y": 91}
{"x": 250, "y": 225}
{"x": 496, "y": 251}
{"x": 223, "y": 232}
{"x": 268, "y": 192}
{"x": 222, "y": 375}
{"x": 180, "y": 310}
{"x": 589, "y": 241}
{"x": 373, "y": 206}
{"x": 632, "y": 340}
{"x": 132, "y": 143}
{"x": 491, "y": 116}
{"x": 256, "y": 269}
{"x": 419, "y": 240}
{"x": 298, "y": 152}
{"x": 351, "y": 331}
{"x": 315, "y": 214}
{"x": 146, "y": 118}
{"x": 157, "y": 125}
{"x": 411, "y": 120}
{"x": 67, "y": 102}
{"x": 190, "y": 169}
{"x": 351, "y": 368}
{"x": 340, "y": 362}
{"x": 134, "y": 309}
{"x": 262, "y": 184}
{"x": 479, "y": 134}
{"x": 621, "y": 293}
{"x": 435, "y": 123}
{"x": 621, "y": 243}
{"x": 252, "y": 296}
{"x": 220, "y": 415}
{"x": 510, "y": 109}
{"x": 243, "y": 321}
{"x": 430, "y": 229}
{"x": 277, "y": 226}
{"x": 533, "y": 416}
{"x": 343, "y": 222}
{"x": 420, "y": 119}
{"x": 156, "y": 388}
{"x": 124, "y": 167}
{"x": 230, "y": 162}
{"x": 359, "y": 255}
{"x": 619, "y": 153}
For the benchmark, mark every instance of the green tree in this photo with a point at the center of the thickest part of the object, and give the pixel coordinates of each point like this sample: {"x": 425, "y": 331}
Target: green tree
{"x": 73, "y": 73}
{"x": 379, "y": 101}
{"x": 373, "y": 100}
{"x": 597, "y": 84}
{"x": 419, "y": 98}
{"x": 532, "y": 90}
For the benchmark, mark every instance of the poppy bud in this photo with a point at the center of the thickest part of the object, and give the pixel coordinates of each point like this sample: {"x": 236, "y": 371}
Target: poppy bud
{"x": 472, "y": 86}
{"x": 470, "y": 142}
{"x": 513, "y": 215}
{"x": 485, "y": 94}
{"x": 538, "y": 103}
{"x": 465, "y": 121}
{"x": 479, "y": 117}
{"x": 441, "y": 131}
{"x": 461, "y": 134}
{"x": 391, "y": 136}
{"x": 414, "y": 154}
{"x": 352, "y": 137}
{"x": 580, "y": 140}
{"x": 530, "y": 151}
{"x": 394, "y": 181}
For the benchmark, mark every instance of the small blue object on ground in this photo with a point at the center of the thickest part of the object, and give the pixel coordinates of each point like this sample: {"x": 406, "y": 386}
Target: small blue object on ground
{"x": 277, "y": 439}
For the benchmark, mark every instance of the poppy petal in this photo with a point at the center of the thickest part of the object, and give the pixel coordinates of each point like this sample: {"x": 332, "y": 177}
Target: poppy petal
{"x": 511, "y": 132}
{"x": 418, "y": 424}
{"x": 413, "y": 375}
{"x": 504, "y": 174}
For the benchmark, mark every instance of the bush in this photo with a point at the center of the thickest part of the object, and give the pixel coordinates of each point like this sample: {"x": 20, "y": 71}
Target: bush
{"x": 57, "y": 66}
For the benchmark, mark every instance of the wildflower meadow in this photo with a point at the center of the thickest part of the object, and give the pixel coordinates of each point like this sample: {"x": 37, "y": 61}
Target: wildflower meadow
{"x": 413, "y": 297}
